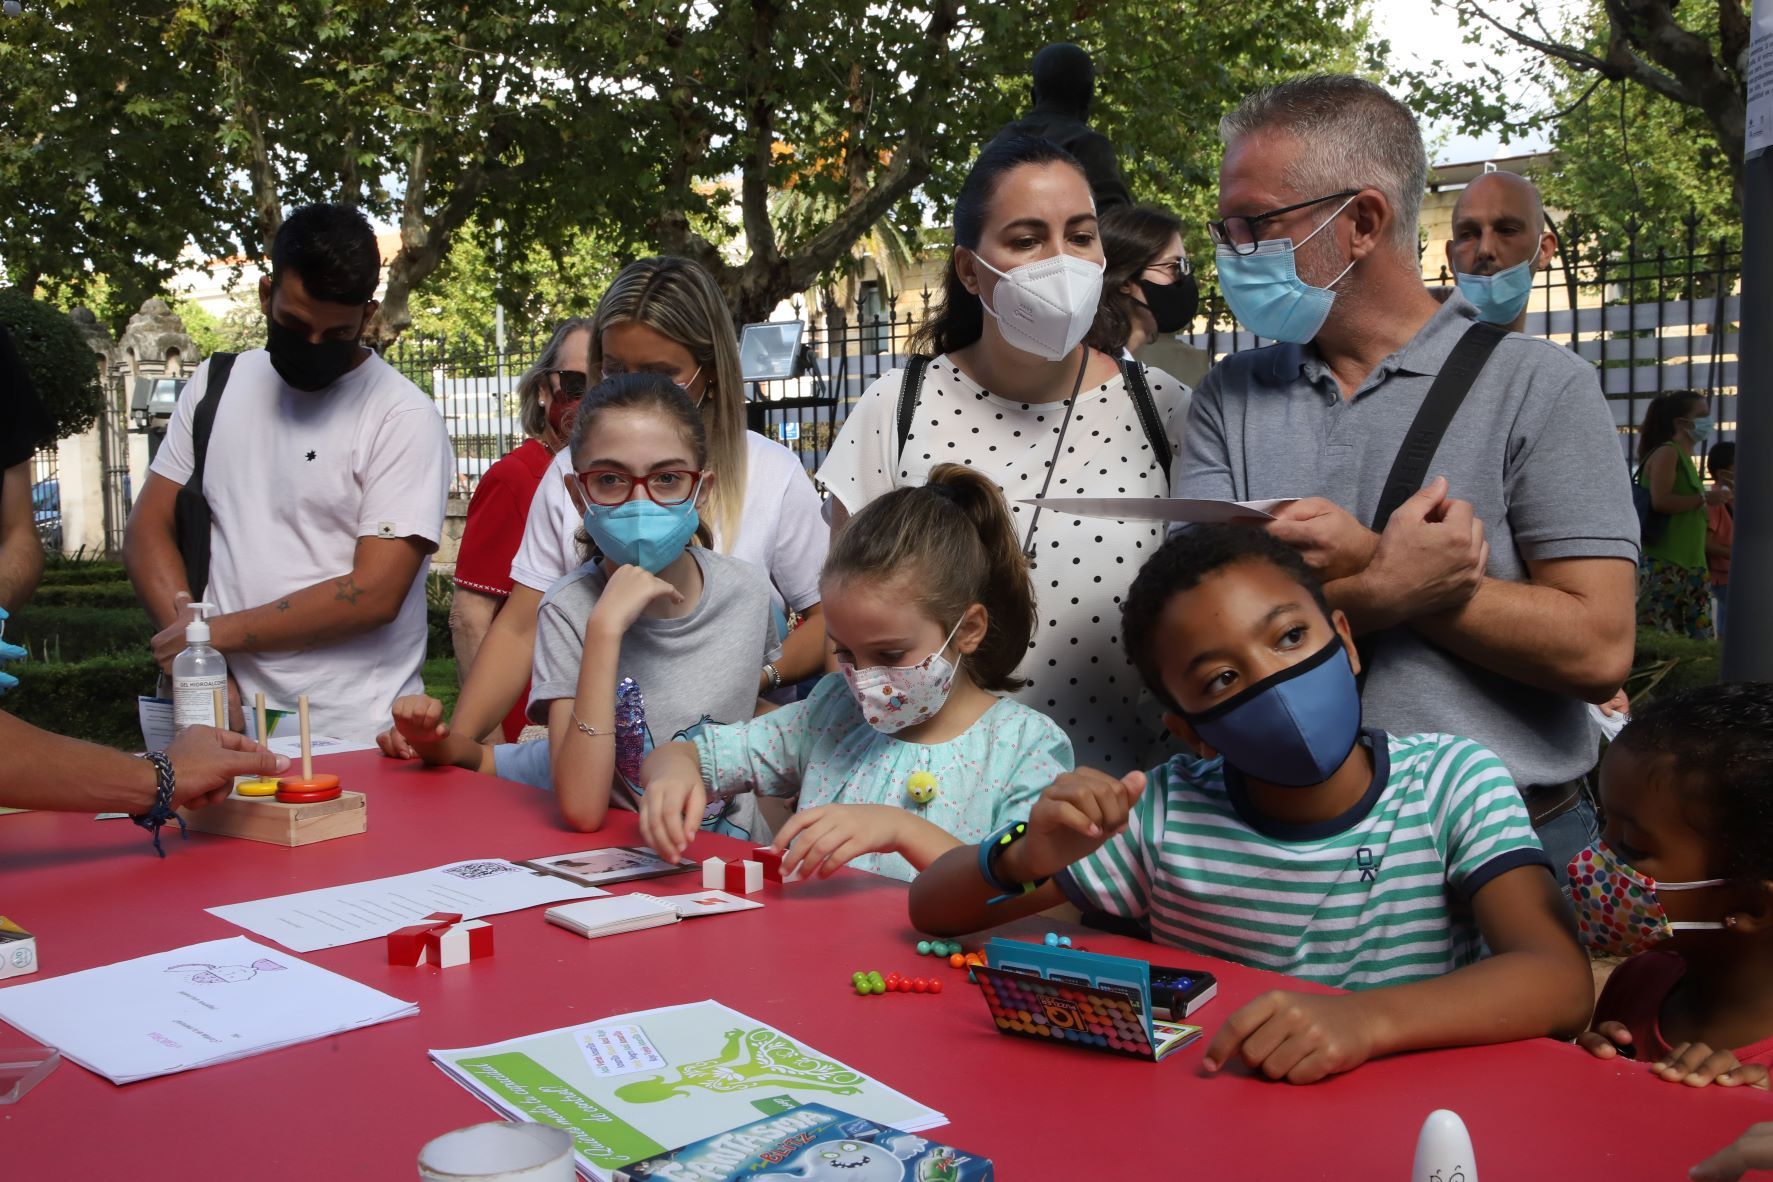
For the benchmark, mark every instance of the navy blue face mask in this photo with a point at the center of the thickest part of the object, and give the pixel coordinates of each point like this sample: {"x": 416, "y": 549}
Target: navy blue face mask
{"x": 1293, "y": 729}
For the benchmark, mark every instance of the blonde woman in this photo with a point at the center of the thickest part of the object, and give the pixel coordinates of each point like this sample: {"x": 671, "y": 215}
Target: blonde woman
{"x": 666, "y": 316}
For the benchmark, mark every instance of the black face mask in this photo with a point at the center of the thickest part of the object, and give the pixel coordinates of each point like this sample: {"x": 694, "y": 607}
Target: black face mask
{"x": 1172, "y": 305}
{"x": 304, "y": 364}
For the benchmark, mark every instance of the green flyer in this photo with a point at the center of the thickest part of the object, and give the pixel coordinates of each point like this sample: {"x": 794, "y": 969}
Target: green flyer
{"x": 635, "y": 1085}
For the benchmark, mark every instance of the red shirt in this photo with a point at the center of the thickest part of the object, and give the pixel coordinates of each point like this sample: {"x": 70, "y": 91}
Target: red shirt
{"x": 1634, "y": 995}
{"x": 494, "y": 529}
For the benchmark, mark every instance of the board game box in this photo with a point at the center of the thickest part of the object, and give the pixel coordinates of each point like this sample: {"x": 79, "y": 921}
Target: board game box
{"x": 810, "y": 1143}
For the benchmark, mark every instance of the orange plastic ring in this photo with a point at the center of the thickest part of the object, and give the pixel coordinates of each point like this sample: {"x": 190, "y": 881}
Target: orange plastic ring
{"x": 296, "y": 790}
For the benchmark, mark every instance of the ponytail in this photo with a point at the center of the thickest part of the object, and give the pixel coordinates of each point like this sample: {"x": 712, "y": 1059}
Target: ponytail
{"x": 950, "y": 543}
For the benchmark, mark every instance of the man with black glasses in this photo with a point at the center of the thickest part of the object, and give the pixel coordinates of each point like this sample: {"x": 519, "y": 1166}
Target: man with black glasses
{"x": 1462, "y": 489}
{"x": 323, "y": 476}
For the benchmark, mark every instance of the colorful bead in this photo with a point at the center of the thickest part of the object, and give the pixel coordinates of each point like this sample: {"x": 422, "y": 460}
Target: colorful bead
{"x": 923, "y": 947}
{"x": 935, "y": 986}
{"x": 956, "y": 960}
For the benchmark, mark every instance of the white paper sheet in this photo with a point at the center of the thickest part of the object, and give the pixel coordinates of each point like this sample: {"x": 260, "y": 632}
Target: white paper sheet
{"x": 1195, "y": 512}
{"x": 318, "y": 745}
{"x": 192, "y": 1007}
{"x": 332, "y": 916}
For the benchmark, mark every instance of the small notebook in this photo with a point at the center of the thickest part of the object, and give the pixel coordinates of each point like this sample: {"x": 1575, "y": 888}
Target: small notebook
{"x": 612, "y": 915}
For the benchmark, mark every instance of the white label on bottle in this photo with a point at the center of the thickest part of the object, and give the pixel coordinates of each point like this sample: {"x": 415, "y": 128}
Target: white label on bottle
{"x": 193, "y": 700}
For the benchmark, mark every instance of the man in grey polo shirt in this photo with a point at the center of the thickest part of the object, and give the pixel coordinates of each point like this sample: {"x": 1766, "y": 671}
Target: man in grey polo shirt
{"x": 1499, "y": 598}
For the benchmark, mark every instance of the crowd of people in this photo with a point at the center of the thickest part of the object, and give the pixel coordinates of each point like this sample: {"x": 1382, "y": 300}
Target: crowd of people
{"x": 1352, "y": 743}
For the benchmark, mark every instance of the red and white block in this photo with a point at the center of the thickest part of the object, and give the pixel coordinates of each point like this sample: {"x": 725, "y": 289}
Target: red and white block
{"x": 407, "y": 946}
{"x": 459, "y": 943}
{"x": 738, "y": 878}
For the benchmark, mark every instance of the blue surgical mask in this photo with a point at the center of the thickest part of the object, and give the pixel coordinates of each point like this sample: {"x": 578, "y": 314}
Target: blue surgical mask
{"x": 1498, "y": 298}
{"x": 1702, "y": 428}
{"x": 1293, "y": 729}
{"x": 1265, "y": 291}
{"x": 642, "y": 533}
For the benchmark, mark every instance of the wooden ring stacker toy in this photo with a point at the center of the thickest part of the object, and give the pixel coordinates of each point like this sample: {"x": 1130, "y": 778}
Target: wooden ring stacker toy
{"x": 308, "y": 788}
{"x": 257, "y": 788}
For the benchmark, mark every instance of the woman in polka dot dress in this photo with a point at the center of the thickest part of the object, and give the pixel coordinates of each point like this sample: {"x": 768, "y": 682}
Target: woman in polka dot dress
{"x": 908, "y": 751}
{"x": 1012, "y": 393}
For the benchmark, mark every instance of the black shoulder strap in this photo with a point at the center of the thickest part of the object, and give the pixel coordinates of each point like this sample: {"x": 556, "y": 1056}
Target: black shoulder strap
{"x": 1133, "y": 374}
{"x": 1450, "y": 387}
{"x": 220, "y": 366}
{"x": 910, "y": 390}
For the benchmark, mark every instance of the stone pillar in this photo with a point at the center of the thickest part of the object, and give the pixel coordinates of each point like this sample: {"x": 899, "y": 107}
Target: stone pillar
{"x": 79, "y": 463}
{"x": 154, "y": 344}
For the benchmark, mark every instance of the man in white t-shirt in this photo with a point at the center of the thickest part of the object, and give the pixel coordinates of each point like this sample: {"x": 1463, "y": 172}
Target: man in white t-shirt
{"x": 326, "y": 476}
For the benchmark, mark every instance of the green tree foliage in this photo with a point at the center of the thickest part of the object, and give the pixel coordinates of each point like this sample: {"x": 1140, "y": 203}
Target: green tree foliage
{"x": 64, "y": 371}
{"x": 240, "y": 329}
{"x": 539, "y": 284}
{"x": 1649, "y": 100}
{"x": 649, "y": 125}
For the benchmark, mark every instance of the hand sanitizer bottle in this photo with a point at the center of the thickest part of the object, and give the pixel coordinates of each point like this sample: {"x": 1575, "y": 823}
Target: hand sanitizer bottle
{"x": 197, "y": 673}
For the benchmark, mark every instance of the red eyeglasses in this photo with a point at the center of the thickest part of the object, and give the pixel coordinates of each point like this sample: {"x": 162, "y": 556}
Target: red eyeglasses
{"x": 611, "y": 486}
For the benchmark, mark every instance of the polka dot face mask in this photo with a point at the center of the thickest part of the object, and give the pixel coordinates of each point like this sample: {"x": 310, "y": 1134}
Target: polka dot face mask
{"x": 1618, "y": 912}
{"x": 893, "y": 698}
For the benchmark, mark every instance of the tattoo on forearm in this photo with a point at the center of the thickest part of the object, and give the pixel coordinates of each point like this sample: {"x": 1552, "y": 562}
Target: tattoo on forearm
{"x": 250, "y": 642}
{"x": 348, "y": 590}
{"x": 283, "y": 605}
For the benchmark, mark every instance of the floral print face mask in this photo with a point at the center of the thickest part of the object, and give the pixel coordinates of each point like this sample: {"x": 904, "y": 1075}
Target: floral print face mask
{"x": 893, "y": 698}
{"x": 1618, "y": 912}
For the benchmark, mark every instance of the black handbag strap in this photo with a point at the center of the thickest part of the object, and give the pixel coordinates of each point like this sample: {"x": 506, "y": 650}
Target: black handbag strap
{"x": 1139, "y": 389}
{"x": 1434, "y": 416}
{"x": 910, "y": 390}
{"x": 220, "y": 366}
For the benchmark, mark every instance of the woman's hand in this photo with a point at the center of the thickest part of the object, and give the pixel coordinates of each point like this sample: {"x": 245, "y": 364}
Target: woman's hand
{"x": 818, "y": 842}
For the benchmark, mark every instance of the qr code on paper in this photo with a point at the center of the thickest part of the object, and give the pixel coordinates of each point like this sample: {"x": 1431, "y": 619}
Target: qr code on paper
{"x": 479, "y": 869}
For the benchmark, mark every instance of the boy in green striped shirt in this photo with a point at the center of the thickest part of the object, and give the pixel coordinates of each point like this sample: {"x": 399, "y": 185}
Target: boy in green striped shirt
{"x": 1296, "y": 842}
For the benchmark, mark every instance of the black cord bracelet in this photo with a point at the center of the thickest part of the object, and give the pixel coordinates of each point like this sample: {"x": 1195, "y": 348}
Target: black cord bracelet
{"x": 161, "y": 812}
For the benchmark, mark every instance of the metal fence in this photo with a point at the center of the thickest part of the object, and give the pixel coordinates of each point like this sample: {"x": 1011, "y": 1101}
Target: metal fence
{"x": 46, "y": 497}
{"x": 1648, "y": 322}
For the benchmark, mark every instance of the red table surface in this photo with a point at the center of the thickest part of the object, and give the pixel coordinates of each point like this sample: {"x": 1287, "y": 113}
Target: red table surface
{"x": 360, "y": 1104}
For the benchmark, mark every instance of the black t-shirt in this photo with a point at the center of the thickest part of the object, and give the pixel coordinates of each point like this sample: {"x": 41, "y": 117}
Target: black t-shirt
{"x": 1091, "y": 148}
{"x": 24, "y": 425}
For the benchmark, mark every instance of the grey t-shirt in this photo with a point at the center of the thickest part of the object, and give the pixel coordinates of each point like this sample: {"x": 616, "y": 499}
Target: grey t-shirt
{"x": 697, "y": 668}
{"x": 1533, "y": 448}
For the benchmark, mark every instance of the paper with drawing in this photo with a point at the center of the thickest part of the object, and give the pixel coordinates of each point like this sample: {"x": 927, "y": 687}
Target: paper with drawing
{"x": 192, "y": 1007}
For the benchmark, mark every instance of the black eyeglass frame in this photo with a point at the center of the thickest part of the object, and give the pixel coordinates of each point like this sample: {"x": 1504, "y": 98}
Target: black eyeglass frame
{"x": 559, "y": 386}
{"x": 1221, "y": 236}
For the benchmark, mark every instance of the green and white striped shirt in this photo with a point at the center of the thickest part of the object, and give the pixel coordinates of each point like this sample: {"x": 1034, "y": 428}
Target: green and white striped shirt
{"x": 1377, "y": 896}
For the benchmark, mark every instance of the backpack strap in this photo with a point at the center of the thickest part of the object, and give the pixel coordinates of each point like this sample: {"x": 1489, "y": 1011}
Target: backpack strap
{"x": 1434, "y": 416}
{"x": 910, "y": 390}
{"x": 1139, "y": 389}
{"x": 220, "y": 366}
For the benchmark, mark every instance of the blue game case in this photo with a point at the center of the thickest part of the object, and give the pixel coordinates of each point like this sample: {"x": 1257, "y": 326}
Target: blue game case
{"x": 810, "y": 1141}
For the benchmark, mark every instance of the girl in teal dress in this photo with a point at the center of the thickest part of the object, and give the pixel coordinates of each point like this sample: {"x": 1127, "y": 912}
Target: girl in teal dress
{"x": 1674, "y": 583}
{"x": 908, "y": 750}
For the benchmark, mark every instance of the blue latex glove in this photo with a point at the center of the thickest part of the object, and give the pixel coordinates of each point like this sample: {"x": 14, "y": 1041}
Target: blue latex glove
{"x": 8, "y": 652}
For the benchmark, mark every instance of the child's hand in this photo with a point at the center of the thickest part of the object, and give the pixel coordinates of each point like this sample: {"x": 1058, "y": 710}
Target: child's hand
{"x": 1751, "y": 1151}
{"x": 631, "y": 590}
{"x": 1606, "y": 1040}
{"x": 670, "y": 807}
{"x": 394, "y": 746}
{"x": 418, "y": 721}
{"x": 1298, "y": 1037}
{"x": 1072, "y": 818}
{"x": 1696, "y": 1065}
{"x": 825, "y": 839}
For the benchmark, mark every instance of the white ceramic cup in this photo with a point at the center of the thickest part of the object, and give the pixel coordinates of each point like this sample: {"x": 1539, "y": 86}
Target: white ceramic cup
{"x": 499, "y": 1151}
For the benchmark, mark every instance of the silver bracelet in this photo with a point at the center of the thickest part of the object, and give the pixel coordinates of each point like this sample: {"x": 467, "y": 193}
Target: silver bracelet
{"x": 775, "y": 677}
{"x": 589, "y": 730}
